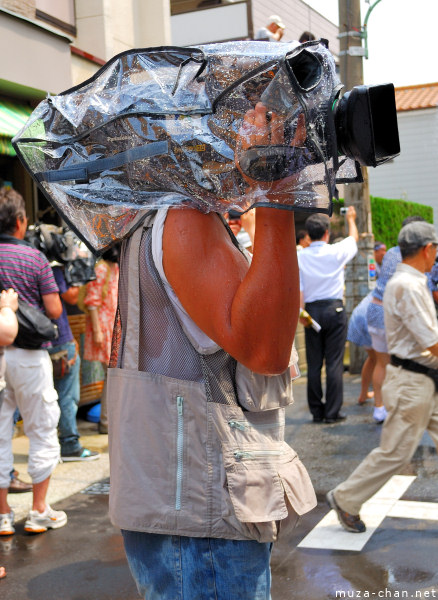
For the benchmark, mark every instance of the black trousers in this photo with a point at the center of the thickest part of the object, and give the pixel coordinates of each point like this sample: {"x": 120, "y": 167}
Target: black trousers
{"x": 327, "y": 345}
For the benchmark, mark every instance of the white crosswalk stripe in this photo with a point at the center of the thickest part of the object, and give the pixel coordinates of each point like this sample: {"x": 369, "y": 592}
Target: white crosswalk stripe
{"x": 329, "y": 535}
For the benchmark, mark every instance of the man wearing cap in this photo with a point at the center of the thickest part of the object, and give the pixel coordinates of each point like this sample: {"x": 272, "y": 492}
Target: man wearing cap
{"x": 410, "y": 388}
{"x": 273, "y": 32}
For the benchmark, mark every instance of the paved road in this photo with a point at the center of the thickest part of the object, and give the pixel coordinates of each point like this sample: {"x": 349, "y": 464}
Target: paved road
{"x": 85, "y": 560}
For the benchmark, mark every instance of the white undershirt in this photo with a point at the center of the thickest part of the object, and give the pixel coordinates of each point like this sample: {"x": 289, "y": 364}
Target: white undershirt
{"x": 201, "y": 342}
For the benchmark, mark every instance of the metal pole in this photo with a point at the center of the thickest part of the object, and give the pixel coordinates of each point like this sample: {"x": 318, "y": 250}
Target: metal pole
{"x": 357, "y": 194}
{"x": 365, "y": 26}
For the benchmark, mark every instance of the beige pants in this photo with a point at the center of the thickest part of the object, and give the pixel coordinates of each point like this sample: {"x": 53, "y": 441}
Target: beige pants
{"x": 412, "y": 405}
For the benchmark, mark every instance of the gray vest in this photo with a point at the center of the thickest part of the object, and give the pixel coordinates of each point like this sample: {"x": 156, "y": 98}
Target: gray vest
{"x": 193, "y": 449}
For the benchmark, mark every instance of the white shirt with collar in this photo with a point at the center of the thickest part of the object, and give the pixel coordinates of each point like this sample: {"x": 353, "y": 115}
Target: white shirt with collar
{"x": 410, "y": 317}
{"x": 322, "y": 269}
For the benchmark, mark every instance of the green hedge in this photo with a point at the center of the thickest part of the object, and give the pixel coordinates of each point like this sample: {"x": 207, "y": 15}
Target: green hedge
{"x": 388, "y": 215}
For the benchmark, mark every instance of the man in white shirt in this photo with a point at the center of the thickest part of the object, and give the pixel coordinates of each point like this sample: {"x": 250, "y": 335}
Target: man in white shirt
{"x": 322, "y": 291}
{"x": 410, "y": 388}
{"x": 274, "y": 30}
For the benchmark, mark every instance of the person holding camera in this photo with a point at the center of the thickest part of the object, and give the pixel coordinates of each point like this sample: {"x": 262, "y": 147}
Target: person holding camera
{"x": 322, "y": 292}
{"x": 198, "y": 329}
{"x": 411, "y": 383}
{"x": 29, "y": 375}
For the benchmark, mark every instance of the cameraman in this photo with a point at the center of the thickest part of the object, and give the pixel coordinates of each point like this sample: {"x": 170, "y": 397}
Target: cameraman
{"x": 203, "y": 310}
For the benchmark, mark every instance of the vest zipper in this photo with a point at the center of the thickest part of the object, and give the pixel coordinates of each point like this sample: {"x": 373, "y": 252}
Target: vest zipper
{"x": 244, "y": 426}
{"x": 179, "y": 450}
{"x": 253, "y": 454}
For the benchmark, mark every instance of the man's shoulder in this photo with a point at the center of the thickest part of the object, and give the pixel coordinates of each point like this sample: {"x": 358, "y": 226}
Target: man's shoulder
{"x": 405, "y": 282}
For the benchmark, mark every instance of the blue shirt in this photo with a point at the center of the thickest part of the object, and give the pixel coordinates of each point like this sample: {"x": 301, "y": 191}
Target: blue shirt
{"x": 65, "y": 333}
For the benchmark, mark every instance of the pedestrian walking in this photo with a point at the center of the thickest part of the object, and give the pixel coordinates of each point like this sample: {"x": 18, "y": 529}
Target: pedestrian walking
{"x": 410, "y": 388}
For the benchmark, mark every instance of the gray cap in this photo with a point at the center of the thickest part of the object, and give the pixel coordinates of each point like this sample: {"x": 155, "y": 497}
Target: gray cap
{"x": 416, "y": 235}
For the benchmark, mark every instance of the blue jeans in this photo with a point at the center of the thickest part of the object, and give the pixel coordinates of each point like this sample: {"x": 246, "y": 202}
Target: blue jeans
{"x": 170, "y": 567}
{"x": 68, "y": 389}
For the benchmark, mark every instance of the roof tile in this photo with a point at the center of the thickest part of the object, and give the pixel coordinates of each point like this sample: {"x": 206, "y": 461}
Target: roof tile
{"x": 416, "y": 97}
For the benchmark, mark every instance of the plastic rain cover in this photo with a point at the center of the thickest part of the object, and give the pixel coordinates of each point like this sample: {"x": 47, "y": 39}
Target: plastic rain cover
{"x": 171, "y": 126}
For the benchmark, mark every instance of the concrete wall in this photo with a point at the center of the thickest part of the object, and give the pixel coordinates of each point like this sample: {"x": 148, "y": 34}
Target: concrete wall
{"x": 38, "y": 58}
{"x": 107, "y": 27}
{"x": 413, "y": 175}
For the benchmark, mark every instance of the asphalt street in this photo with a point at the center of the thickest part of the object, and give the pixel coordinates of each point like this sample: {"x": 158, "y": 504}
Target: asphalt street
{"x": 399, "y": 559}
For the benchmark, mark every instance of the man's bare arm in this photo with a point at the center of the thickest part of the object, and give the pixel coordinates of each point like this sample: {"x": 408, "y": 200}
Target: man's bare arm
{"x": 250, "y": 311}
{"x": 52, "y": 305}
{"x": 433, "y": 349}
{"x": 71, "y": 295}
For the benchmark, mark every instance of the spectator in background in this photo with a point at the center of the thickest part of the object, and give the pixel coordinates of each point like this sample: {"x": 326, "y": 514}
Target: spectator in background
{"x": 375, "y": 318}
{"x": 243, "y": 227}
{"x": 306, "y": 36}
{"x": 322, "y": 291}
{"x": 379, "y": 253}
{"x": 29, "y": 375}
{"x": 101, "y": 303}
{"x": 358, "y": 334}
{"x": 274, "y": 30}
{"x": 303, "y": 239}
{"x": 68, "y": 385}
{"x": 410, "y": 387}
{"x": 8, "y": 331}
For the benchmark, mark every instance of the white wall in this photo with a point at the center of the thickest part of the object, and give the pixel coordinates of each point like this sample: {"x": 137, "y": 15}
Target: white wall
{"x": 413, "y": 175}
{"x": 213, "y": 25}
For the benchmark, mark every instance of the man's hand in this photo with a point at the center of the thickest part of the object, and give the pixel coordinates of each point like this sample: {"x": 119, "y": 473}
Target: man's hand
{"x": 350, "y": 217}
{"x": 260, "y": 128}
{"x": 9, "y": 298}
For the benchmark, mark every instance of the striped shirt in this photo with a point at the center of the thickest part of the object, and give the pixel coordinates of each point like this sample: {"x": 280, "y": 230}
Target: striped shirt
{"x": 26, "y": 270}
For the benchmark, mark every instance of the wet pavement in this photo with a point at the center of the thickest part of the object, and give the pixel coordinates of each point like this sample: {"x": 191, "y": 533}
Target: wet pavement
{"x": 85, "y": 559}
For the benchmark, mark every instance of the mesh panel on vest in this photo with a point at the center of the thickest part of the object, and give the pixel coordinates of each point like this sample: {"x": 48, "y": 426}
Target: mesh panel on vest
{"x": 163, "y": 346}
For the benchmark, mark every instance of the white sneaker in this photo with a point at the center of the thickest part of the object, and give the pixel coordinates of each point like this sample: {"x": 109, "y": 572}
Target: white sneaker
{"x": 49, "y": 519}
{"x": 379, "y": 414}
{"x": 7, "y": 524}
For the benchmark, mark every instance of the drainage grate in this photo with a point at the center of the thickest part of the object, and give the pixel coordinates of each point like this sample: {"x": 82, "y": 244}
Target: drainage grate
{"x": 100, "y": 487}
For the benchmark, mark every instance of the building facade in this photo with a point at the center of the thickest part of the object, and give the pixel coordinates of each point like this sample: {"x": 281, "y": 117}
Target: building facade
{"x": 51, "y": 45}
{"x": 413, "y": 176}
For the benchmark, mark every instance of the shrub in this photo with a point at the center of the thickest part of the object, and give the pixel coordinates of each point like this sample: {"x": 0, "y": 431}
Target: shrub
{"x": 388, "y": 215}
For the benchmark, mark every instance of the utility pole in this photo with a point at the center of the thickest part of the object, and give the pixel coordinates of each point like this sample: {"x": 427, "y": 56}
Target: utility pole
{"x": 358, "y": 283}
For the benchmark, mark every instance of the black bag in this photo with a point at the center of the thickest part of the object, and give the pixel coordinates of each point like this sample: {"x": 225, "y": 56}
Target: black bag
{"x": 34, "y": 328}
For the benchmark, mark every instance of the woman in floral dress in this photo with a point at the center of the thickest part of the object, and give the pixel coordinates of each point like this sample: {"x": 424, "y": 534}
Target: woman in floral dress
{"x": 101, "y": 303}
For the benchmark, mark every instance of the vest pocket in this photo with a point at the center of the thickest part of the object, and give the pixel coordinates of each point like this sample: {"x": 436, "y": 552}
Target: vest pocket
{"x": 266, "y": 487}
{"x": 262, "y": 392}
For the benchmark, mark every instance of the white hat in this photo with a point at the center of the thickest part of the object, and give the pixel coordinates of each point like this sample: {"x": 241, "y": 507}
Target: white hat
{"x": 277, "y": 20}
